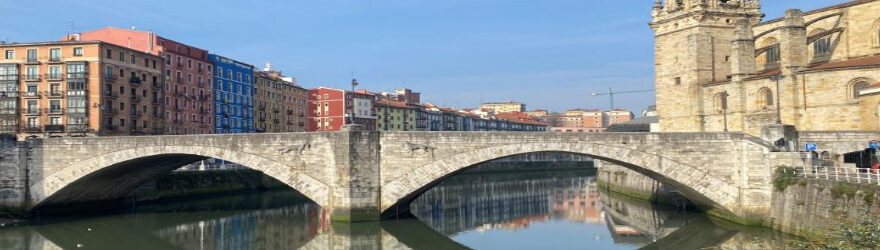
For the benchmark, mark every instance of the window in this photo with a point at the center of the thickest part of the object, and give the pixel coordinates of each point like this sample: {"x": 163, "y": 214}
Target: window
{"x": 55, "y": 106}
{"x": 33, "y": 73}
{"x": 109, "y": 54}
{"x": 765, "y": 98}
{"x": 856, "y": 88}
{"x": 32, "y": 107}
{"x": 55, "y": 72}
{"x": 720, "y": 102}
{"x": 55, "y": 89}
{"x": 55, "y": 54}
{"x": 134, "y": 60}
{"x": 772, "y": 55}
{"x": 77, "y": 51}
{"x": 54, "y": 120}
{"x": 32, "y": 55}
{"x": 10, "y": 54}
{"x": 168, "y": 59}
{"x": 677, "y": 81}
{"x": 121, "y": 56}
{"x": 33, "y": 122}
{"x": 822, "y": 46}
{"x": 189, "y": 63}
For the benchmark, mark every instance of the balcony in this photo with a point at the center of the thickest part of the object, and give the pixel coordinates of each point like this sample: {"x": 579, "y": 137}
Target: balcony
{"x": 136, "y": 99}
{"x": 33, "y": 129}
{"x": 56, "y": 94}
{"x": 31, "y": 94}
{"x": 55, "y": 128}
{"x": 110, "y": 78}
{"x": 177, "y": 121}
{"x": 179, "y": 81}
{"x": 78, "y": 128}
{"x": 109, "y": 111}
{"x": 110, "y": 128}
{"x": 179, "y": 93}
{"x": 56, "y": 111}
{"x": 81, "y": 110}
{"x": 276, "y": 110}
{"x": 55, "y": 77}
{"x": 156, "y": 86}
{"x": 203, "y": 112}
{"x": 55, "y": 60}
{"x": 262, "y": 108}
{"x": 32, "y": 60}
{"x": 31, "y": 111}
{"x": 178, "y": 108}
{"x": 276, "y": 121}
{"x": 136, "y": 114}
{"x": 110, "y": 95}
{"x": 179, "y": 65}
{"x": 134, "y": 80}
{"x": 77, "y": 75}
{"x": 32, "y": 78}
{"x": 262, "y": 119}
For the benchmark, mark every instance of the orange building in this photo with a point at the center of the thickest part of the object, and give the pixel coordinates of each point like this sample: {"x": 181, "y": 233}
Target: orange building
{"x": 187, "y": 74}
{"x": 78, "y": 88}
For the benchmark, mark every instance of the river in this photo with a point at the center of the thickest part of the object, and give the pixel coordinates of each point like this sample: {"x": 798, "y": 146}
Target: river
{"x": 561, "y": 209}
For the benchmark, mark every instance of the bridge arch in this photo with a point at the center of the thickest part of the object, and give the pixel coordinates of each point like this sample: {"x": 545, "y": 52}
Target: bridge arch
{"x": 697, "y": 184}
{"x": 117, "y": 174}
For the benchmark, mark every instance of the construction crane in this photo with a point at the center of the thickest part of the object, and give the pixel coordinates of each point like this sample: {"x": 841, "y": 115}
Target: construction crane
{"x": 611, "y": 94}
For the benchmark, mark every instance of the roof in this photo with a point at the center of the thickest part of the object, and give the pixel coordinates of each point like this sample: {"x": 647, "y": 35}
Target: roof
{"x": 394, "y": 104}
{"x": 51, "y": 43}
{"x": 857, "y": 62}
{"x": 513, "y": 115}
{"x": 832, "y": 7}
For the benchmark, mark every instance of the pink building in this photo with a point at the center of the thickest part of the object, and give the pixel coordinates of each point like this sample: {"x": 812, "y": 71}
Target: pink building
{"x": 187, "y": 75}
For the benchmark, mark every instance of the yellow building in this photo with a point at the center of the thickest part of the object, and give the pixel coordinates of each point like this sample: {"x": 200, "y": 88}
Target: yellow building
{"x": 718, "y": 65}
{"x": 79, "y": 88}
{"x": 504, "y": 107}
{"x": 395, "y": 116}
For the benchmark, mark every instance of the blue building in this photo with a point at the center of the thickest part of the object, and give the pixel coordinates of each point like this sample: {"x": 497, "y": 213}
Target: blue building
{"x": 233, "y": 96}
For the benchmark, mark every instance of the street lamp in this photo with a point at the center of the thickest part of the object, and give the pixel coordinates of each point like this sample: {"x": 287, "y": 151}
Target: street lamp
{"x": 777, "y": 78}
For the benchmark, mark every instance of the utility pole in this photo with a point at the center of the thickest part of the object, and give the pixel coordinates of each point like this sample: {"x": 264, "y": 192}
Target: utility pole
{"x": 611, "y": 94}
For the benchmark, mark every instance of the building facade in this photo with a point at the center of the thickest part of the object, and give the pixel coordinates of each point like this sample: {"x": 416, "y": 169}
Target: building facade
{"x": 718, "y": 65}
{"x": 233, "y": 96}
{"x": 395, "y": 116}
{"x": 188, "y": 74}
{"x": 330, "y": 109}
{"x": 504, "y": 107}
{"x": 280, "y": 105}
{"x": 78, "y": 88}
{"x": 616, "y": 116}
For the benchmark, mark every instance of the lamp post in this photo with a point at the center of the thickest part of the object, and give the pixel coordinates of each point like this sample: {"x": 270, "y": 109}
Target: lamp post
{"x": 724, "y": 96}
{"x": 777, "y": 78}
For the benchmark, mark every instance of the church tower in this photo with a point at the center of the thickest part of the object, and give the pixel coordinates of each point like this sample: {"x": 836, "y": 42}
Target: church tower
{"x": 693, "y": 48}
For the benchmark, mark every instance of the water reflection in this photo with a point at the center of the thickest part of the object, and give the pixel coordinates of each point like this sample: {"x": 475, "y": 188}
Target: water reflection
{"x": 487, "y": 210}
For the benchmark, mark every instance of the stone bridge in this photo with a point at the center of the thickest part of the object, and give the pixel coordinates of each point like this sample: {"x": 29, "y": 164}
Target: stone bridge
{"x": 370, "y": 175}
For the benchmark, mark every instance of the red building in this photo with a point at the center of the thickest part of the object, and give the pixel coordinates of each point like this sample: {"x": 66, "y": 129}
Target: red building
{"x": 330, "y": 109}
{"x": 187, "y": 74}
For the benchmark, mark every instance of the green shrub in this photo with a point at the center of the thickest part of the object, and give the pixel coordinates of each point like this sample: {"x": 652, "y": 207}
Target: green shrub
{"x": 784, "y": 177}
{"x": 846, "y": 233}
{"x": 843, "y": 190}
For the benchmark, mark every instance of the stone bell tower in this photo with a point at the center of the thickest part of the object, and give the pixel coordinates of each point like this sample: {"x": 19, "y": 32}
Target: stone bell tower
{"x": 693, "y": 48}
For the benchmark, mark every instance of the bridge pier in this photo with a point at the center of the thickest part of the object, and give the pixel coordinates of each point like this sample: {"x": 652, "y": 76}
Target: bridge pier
{"x": 355, "y": 178}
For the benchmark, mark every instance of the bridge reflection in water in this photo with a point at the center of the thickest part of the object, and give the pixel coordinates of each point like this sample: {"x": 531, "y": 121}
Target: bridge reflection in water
{"x": 480, "y": 209}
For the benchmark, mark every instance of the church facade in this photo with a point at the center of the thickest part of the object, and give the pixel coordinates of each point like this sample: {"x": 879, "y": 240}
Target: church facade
{"x": 719, "y": 66}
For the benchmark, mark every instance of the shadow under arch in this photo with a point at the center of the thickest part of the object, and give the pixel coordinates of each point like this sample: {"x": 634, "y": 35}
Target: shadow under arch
{"x": 704, "y": 189}
{"x": 114, "y": 175}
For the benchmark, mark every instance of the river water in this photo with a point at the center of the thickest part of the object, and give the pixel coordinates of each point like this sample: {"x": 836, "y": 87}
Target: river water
{"x": 561, "y": 209}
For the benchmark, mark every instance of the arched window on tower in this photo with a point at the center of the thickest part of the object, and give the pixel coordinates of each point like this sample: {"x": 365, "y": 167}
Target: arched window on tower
{"x": 720, "y": 102}
{"x": 765, "y": 98}
{"x": 821, "y": 43}
{"x": 768, "y": 56}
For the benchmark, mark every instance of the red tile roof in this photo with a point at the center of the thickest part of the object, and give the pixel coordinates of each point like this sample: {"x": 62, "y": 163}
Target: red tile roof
{"x": 394, "y": 104}
{"x": 857, "y": 62}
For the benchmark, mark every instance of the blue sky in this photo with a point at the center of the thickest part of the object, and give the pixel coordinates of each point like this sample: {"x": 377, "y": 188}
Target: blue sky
{"x": 549, "y": 54}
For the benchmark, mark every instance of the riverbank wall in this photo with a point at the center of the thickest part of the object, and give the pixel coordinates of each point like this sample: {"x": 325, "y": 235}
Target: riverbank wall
{"x": 621, "y": 180}
{"x": 808, "y": 206}
{"x": 804, "y": 208}
{"x": 183, "y": 184}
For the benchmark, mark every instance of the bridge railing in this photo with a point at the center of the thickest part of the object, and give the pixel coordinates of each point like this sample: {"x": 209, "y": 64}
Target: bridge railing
{"x": 847, "y": 174}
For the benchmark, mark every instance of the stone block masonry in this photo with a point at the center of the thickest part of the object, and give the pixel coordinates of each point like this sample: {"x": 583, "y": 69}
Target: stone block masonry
{"x": 368, "y": 175}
